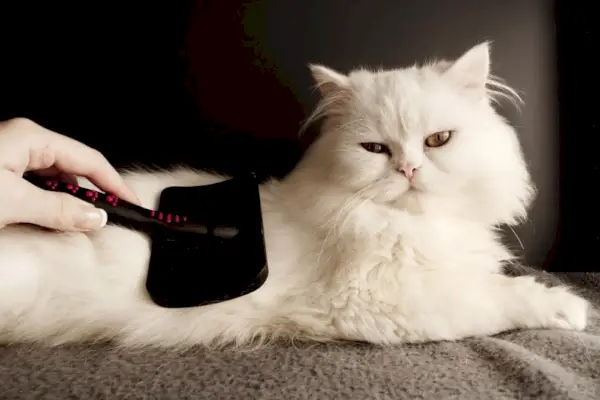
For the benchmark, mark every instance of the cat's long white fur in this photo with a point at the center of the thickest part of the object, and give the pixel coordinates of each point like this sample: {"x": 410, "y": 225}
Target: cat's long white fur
{"x": 353, "y": 252}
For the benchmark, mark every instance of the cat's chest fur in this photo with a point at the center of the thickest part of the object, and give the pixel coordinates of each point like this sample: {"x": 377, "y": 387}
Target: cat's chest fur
{"x": 375, "y": 247}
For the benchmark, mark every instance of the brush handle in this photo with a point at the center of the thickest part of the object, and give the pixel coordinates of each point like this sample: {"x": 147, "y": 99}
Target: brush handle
{"x": 121, "y": 212}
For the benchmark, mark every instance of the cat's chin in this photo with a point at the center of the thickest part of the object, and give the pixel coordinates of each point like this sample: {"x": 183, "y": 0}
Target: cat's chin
{"x": 409, "y": 200}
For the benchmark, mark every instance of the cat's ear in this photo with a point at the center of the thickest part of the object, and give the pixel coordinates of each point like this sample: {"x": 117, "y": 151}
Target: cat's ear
{"x": 328, "y": 81}
{"x": 471, "y": 70}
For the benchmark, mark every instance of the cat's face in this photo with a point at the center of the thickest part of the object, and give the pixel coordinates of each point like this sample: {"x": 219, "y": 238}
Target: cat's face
{"x": 423, "y": 138}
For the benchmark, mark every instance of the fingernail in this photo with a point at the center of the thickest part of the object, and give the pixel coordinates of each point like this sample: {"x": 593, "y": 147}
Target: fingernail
{"x": 91, "y": 218}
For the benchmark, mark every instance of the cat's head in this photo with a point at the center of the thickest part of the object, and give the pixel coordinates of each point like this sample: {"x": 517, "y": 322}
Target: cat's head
{"x": 425, "y": 138}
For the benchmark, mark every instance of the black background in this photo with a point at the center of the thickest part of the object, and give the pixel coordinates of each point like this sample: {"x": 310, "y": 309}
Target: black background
{"x": 578, "y": 238}
{"x": 224, "y": 84}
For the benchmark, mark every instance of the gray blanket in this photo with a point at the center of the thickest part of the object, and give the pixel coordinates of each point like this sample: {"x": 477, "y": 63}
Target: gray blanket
{"x": 540, "y": 364}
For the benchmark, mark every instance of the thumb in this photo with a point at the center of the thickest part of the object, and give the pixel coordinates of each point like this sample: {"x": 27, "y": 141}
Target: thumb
{"x": 54, "y": 210}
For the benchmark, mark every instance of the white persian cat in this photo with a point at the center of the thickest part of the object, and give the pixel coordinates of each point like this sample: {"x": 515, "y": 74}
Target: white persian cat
{"x": 386, "y": 232}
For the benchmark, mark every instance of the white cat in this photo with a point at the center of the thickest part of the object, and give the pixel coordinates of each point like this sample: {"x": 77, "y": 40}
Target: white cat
{"x": 385, "y": 232}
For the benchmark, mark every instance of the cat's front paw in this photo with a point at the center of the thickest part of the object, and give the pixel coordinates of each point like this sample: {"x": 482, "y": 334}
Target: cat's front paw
{"x": 563, "y": 309}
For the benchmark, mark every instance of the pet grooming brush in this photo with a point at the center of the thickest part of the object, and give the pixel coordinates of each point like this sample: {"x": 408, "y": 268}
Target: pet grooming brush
{"x": 207, "y": 241}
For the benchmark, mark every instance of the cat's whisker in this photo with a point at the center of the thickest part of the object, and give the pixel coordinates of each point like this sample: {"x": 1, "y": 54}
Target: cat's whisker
{"x": 348, "y": 203}
{"x": 517, "y": 237}
{"x": 348, "y": 214}
{"x": 347, "y": 124}
{"x": 321, "y": 110}
{"x": 333, "y": 220}
{"x": 345, "y": 206}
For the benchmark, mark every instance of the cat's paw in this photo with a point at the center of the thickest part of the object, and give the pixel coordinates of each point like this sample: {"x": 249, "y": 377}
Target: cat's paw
{"x": 566, "y": 310}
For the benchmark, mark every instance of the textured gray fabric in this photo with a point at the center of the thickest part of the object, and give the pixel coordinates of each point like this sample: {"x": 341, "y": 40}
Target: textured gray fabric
{"x": 538, "y": 364}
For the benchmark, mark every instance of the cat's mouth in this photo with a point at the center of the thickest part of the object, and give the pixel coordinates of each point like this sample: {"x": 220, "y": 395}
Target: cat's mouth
{"x": 415, "y": 187}
{"x": 411, "y": 193}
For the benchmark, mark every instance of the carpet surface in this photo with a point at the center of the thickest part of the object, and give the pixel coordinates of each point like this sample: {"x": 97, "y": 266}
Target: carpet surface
{"x": 537, "y": 364}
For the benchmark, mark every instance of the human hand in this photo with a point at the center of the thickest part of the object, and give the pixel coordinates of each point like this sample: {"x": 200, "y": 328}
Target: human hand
{"x": 26, "y": 146}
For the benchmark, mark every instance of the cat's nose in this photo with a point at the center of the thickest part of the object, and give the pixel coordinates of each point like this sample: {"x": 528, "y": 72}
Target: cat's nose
{"x": 408, "y": 171}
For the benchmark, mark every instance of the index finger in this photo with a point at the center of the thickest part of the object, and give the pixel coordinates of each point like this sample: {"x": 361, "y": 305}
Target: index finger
{"x": 76, "y": 158}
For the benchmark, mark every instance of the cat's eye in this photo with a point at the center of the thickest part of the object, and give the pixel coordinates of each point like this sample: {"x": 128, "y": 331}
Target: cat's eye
{"x": 378, "y": 148}
{"x": 438, "y": 139}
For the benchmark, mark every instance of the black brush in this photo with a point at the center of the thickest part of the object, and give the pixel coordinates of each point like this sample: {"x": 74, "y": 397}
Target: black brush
{"x": 207, "y": 241}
